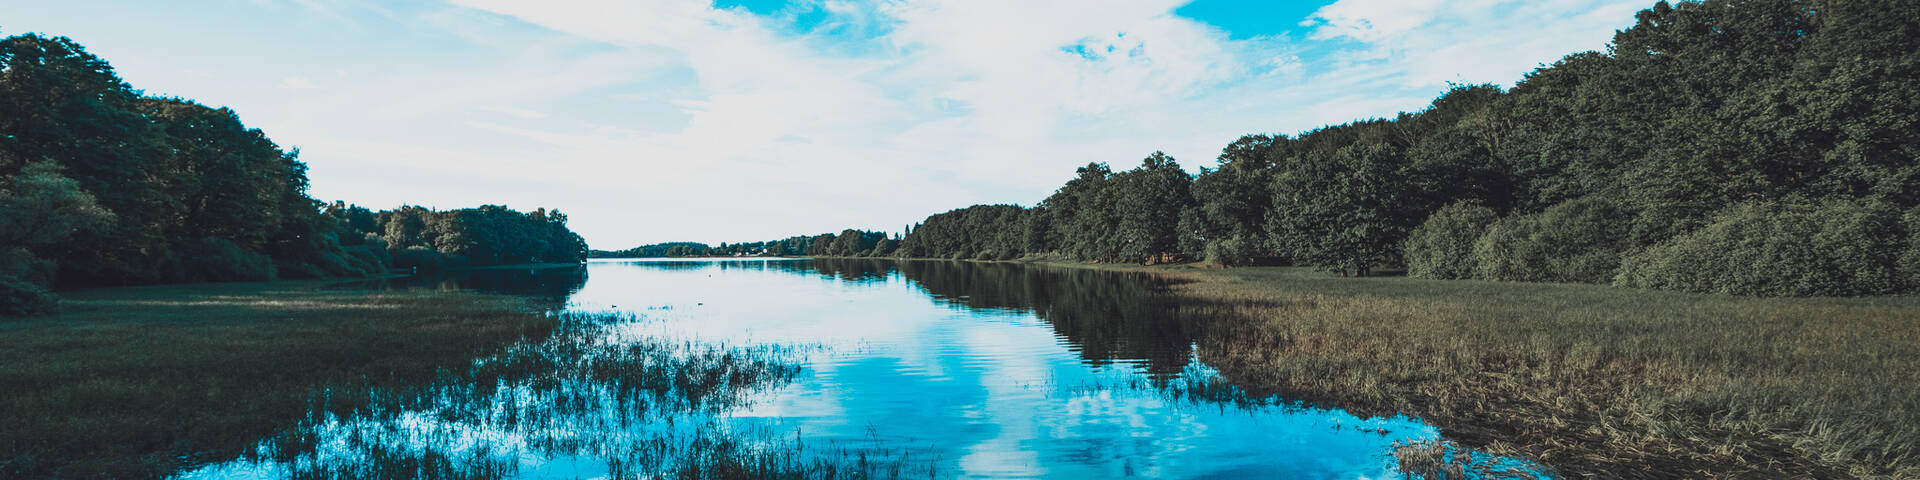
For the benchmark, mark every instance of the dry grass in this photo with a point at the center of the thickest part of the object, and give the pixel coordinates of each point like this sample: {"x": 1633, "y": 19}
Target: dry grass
{"x": 1590, "y": 380}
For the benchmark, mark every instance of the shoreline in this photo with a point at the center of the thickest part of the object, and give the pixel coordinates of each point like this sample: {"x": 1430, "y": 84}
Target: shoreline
{"x": 1585, "y": 379}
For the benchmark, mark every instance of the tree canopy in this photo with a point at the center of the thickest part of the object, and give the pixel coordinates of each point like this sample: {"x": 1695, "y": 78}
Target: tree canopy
{"x": 103, "y": 185}
{"x": 1649, "y": 151}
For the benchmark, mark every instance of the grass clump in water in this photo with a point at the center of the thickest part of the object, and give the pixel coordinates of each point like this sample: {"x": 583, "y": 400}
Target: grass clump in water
{"x": 648, "y": 407}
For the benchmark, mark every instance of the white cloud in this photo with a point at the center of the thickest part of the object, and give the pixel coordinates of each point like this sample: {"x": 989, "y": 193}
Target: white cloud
{"x": 656, "y": 120}
{"x": 1473, "y": 41}
{"x": 942, "y": 103}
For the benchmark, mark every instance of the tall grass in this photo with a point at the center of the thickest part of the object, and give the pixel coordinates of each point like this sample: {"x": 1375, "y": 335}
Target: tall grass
{"x": 1589, "y": 380}
{"x": 141, "y": 382}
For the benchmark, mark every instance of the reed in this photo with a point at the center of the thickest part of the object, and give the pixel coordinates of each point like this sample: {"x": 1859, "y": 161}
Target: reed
{"x": 1586, "y": 379}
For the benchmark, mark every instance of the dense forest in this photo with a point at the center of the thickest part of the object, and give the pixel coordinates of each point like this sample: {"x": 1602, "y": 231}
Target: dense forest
{"x": 101, "y": 184}
{"x": 1742, "y": 147}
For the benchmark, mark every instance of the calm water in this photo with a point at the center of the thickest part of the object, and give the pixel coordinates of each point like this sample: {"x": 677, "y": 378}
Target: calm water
{"x": 966, "y": 370}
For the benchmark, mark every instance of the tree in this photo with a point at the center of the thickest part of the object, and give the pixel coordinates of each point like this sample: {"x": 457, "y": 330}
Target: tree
{"x": 1150, "y": 200}
{"x": 40, "y": 207}
{"x": 1345, "y": 212}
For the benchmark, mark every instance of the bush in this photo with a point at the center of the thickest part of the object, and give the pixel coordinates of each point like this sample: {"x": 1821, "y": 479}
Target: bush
{"x": 1910, "y": 259}
{"x": 220, "y": 260}
{"x": 1830, "y": 249}
{"x": 1442, "y": 247}
{"x": 1234, "y": 250}
{"x": 1577, "y": 241}
{"x": 418, "y": 258}
{"x": 21, "y": 298}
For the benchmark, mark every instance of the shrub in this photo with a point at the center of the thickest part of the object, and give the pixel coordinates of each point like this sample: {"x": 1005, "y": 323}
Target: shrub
{"x": 20, "y": 298}
{"x": 1829, "y": 249}
{"x": 1577, "y": 241}
{"x": 418, "y": 258}
{"x": 23, "y": 281}
{"x": 219, "y": 260}
{"x": 1442, "y": 247}
{"x": 1910, "y": 258}
{"x": 1234, "y": 250}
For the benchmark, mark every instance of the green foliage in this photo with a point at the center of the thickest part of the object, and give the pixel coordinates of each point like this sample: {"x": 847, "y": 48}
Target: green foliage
{"x": 487, "y": 235}
{"x": 1234, "y": 250}
{"x": 220, "y": 260}
{"x": 39, "y": 207}
{"x": 987, "y": 232}
{"x": 1346, "y": 211}
{"x": 1910, "y": 255}
{"x": 1233, "y": 200}
{"x": 1829, "y": 249}
{"x": 884, "y": 247}
{"x": 1442, "y": 247}
{"x": 111, "y": 187}
{"x": 656, "y": 250}
{"x": 23, "y": 280}
{"x": 20, "y": 298}
{"x": 419, "y": 259}
{"x": 1150, "y": 200}
{"x": 855, "y": 243}
{"x": 1577, "y": 241}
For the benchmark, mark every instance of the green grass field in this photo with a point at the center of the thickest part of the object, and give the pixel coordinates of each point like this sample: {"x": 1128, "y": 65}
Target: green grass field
{"x": 139, "y": 382}
{"x": 1587, "y": 379}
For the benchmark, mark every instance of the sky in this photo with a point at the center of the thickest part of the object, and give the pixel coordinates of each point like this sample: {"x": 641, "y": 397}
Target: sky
{"x": 740, "y": 120}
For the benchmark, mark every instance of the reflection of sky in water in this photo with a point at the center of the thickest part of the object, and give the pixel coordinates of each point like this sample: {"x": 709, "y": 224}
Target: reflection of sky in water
{"x": 994, "y": 392}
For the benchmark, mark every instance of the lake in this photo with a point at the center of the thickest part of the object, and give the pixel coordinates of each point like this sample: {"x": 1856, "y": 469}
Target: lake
{"x": 889, "y": 368}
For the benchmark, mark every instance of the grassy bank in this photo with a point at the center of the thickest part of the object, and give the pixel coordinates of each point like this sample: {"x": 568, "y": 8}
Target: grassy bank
{"x": 1591, "y": 380}
{"x": 138, "y": 382}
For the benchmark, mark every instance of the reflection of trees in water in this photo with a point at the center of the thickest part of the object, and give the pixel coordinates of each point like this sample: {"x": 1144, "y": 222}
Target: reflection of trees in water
{"x": 548, "y": 287}
{"x": 1108, "y": 316}
{"x": 857, "y": 270}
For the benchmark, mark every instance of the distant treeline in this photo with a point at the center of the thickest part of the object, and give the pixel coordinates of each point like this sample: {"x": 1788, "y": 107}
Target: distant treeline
{"x": 103, "y": 185}
{"x": 848, "y": 243}
{"x": 1764, "y": 147}
{"x": 657, "y": 250}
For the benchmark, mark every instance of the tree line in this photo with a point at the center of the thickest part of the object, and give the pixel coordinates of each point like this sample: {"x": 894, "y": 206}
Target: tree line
{"x": 101, "y": 184}
{"x": 1767, "y": 147}
{"x": 847, "y": 243}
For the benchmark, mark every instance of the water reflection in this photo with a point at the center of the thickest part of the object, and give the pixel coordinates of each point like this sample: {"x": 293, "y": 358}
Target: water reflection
{"x": 894, "y": 369}
{"x": 1107, "y": 317}
{"x": 548, "y": 286}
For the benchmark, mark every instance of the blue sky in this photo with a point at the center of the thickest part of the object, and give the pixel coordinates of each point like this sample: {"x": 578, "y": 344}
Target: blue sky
{"x": 663, "y": 120}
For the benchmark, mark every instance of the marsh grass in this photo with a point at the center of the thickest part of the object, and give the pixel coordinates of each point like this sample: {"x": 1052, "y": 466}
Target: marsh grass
{"x": 646, "y": 406}
{"x": 1437, "y": 459}
{"x": 141, "y": 382}
{"x": 1589, "y": 380}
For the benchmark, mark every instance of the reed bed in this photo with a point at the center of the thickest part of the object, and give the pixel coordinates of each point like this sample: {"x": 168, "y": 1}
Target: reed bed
{"x": 1588, "y": 380}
